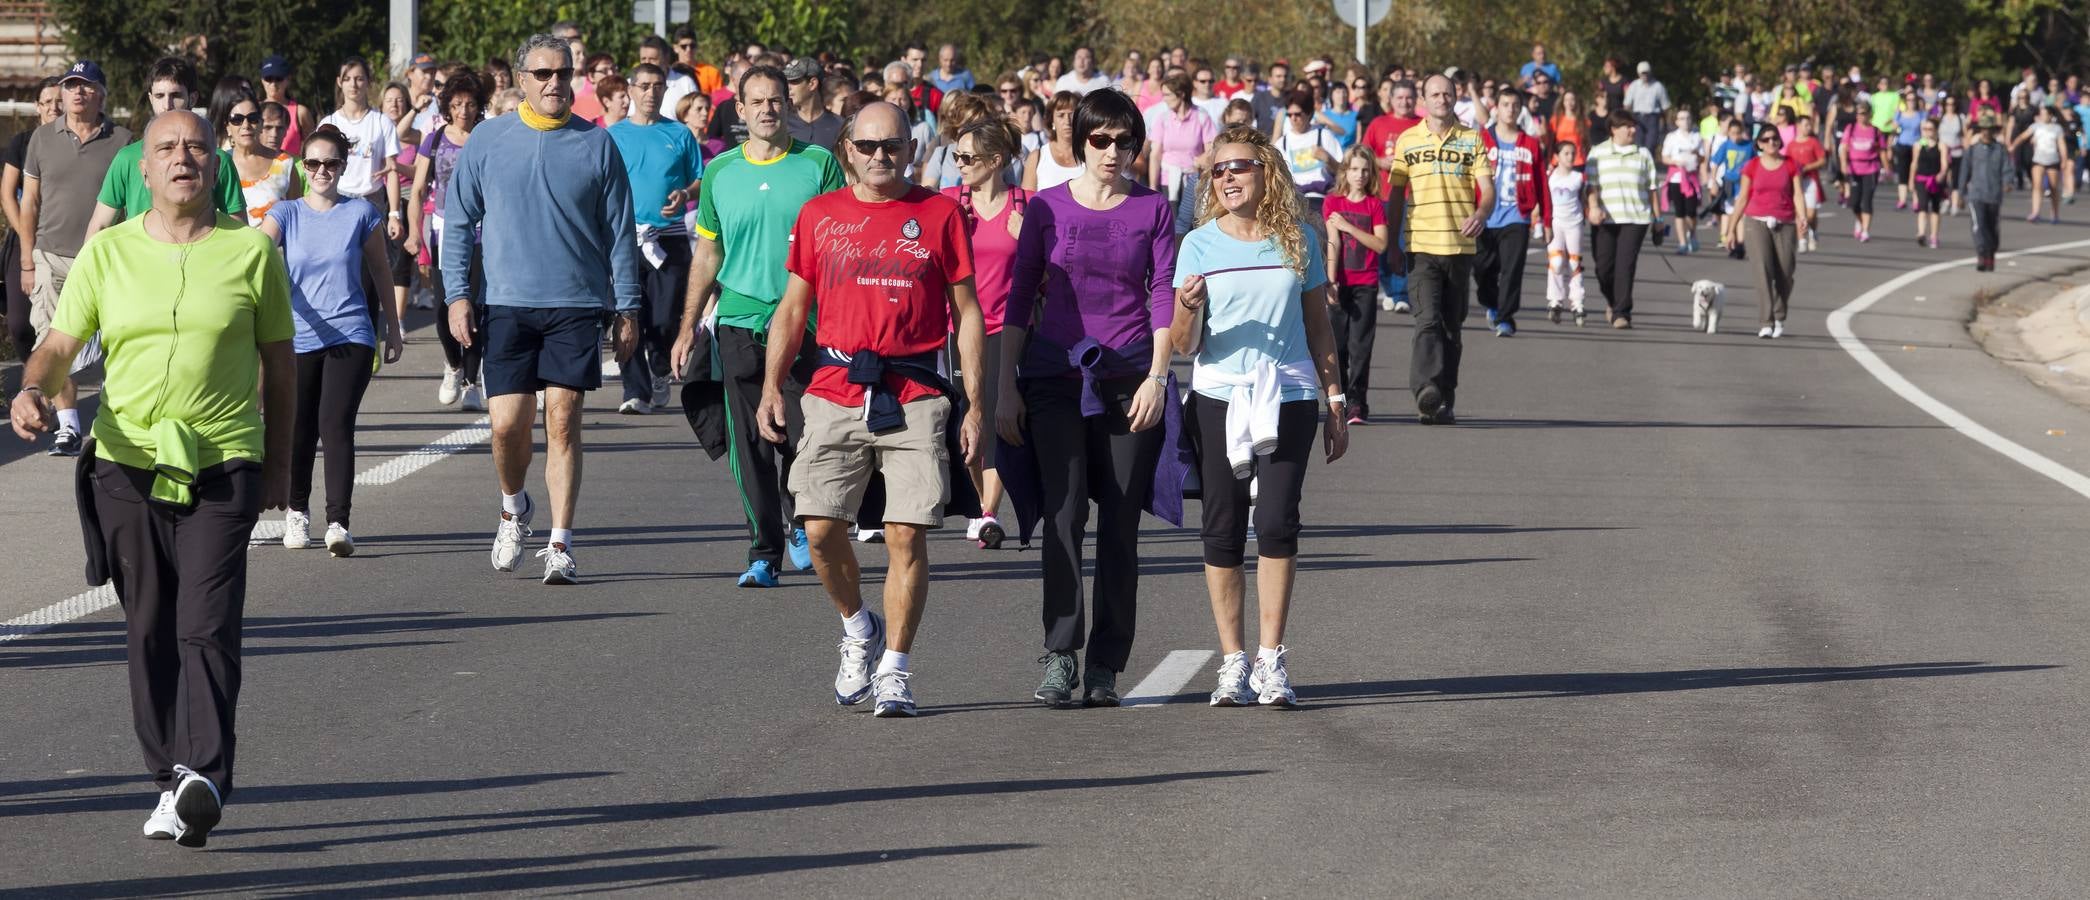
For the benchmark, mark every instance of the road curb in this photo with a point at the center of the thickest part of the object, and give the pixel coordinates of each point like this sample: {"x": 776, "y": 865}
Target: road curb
{"x": 2082, "y": 309}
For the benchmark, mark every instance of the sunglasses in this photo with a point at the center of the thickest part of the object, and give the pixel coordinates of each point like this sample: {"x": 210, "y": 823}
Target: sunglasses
{"x": 562, "y": 74}
{"x": 243, "y": 118}
{"x": 1204, "y": 81}
{"x": 685, "y": 45}
{"x": 967, "y": 159}
{"x": 1236, "y": 167}
{"x": 1125, "y": 142}
{"x": 1010, "y": 90}
{"x": 892, "y": 148}
{"x": 331, "y": 164}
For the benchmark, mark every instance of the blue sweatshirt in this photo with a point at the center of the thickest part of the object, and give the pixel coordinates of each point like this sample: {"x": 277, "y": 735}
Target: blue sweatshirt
{"x": 556, "y": 210}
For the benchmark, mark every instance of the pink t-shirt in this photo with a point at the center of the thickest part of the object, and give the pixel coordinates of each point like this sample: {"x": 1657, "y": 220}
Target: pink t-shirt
{"x": 1356, "y": 263}
{"x": 993, "y": 253}
{"x": 1862, "y": 142}
{"x": 1770, "y": 190}
{"x": 1181, "y": 137}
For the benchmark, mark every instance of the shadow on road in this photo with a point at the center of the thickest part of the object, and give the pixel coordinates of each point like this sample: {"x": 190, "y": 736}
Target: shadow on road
{"x": 93, "y": 643}
{"x": 1592, "y": 684}
{"x": 1485, "y": 424}
{"x": 128, "y": 801}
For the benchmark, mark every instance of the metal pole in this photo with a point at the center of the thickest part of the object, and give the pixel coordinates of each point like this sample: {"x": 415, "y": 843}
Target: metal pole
{"x": 1360, "y": 33}
{"x": 660, "y": 17}
{"x": 405, "y": 34}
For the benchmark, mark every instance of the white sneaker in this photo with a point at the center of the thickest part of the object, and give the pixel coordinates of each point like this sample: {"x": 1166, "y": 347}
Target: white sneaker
{"x": 473, "y": 398}
{"x": 297, "y": 530}
{"x": 163, "y": 823}
{"x": 339, "y": 541}
{"x": 453, "y": 379}
{"x": 1385, "y": 302}
{"x": 558, "y": 565}
{"x": 197, "y": 807}
{"x": 1401, "y": 306}
{"x": 870, "y": 535}
{"x": 635, "y": 407}
{"x": 508, "y": 538}
{"x": 1272, "y": 682}
{"x": 895, "y": 700}
{"x": 1233, "y": 681}
{"x": 1764, "y": 332}
{"x": 1778, "y": 328}
{"x": 972, "y": 528}
{"x": 853, "y": 679}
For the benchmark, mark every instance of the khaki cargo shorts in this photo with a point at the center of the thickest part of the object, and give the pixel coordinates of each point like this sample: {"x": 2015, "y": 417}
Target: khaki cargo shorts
{"x": 837, "y": 455}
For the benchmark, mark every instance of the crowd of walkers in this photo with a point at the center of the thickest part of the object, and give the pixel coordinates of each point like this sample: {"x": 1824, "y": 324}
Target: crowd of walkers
{"x": 891, "y": 294}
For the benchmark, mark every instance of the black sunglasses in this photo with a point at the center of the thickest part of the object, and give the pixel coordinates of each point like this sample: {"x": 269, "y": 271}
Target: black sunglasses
{"x": 331, "y": 164}
{"x": 967, "y": 159}
{"x": 243, "y": 118}
{"x": 563, "y": 74}
{"x": 1124, "y": 141}
{"x": 892, "y": 148}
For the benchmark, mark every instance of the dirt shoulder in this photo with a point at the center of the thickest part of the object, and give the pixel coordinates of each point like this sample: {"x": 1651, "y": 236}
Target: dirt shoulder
{"x": 2042, "y": 329}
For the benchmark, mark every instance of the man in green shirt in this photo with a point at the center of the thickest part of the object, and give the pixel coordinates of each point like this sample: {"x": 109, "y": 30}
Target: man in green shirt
{"x": 1884, "y": 103}
{"x": 183, "y": 462}
{"x": 746, "y": 207}
{"x": 170, "y": 86}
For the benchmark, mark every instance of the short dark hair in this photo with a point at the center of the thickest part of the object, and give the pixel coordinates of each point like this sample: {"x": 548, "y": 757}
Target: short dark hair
{"x": 177, "y": 70}
{"x": 648, "y": 69}
{"x": 1621, "y": 119}
{"x": 466, "y": 82}
{"x": 1509, "y": 92}
{"x": 1106, "y": 109}
{"x": 684, "y": 31}
{"x": 656, "y": 42}
{"x": 783, "y": 85}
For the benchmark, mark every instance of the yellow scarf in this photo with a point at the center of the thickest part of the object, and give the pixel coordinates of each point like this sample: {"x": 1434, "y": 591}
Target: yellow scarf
{"x": 541, "y": 123}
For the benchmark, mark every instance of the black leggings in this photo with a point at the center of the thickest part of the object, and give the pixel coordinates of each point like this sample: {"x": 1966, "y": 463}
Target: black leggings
{"x": 1355, "y": 318}
{"x": 1279, "y": 479}
{"x": 1862, "y": 187}
{"x": 331, "y": 382}
{"x": 456, "y": 355}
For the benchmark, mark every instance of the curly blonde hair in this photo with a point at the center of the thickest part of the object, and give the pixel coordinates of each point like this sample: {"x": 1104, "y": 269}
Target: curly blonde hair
{"x": 1280, "y": 211}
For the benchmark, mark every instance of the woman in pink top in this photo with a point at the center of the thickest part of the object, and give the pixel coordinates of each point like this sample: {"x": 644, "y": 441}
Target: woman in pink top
{"x": 1772, "y": 196}
{"x": 1858, "y": 150}
{"x": 1182, "y": 140}
{"x": 993, "y": 218}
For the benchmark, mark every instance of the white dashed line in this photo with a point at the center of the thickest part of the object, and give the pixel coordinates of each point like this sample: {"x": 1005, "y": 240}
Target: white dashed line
{"x": 1168, "y": 678}
{"x": 1840, "y": 328}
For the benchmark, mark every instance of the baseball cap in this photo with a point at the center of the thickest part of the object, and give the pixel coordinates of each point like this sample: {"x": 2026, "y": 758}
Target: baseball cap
{"x": 275, "y": 67}
{"x": 1644, "y": 67}
{"x": 423, "y": 61}
{"x": 1317, "y": 65}
{"x": 85, "y": 70}
{"x": 801, "y": 69}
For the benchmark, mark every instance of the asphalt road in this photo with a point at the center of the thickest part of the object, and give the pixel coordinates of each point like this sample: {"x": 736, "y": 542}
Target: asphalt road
{"x": 1668, "y": 614}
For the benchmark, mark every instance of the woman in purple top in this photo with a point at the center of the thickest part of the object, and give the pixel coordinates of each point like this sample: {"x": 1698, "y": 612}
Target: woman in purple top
{"x": 1085, "y": 377}
{"x": 462, "y": 100}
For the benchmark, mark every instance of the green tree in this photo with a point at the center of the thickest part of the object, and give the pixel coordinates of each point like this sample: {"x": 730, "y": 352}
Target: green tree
{"x": 473, "y": 31}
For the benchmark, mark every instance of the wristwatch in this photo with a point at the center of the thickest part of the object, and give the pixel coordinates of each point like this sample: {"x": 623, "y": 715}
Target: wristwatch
{"x": 1161, "y": 379}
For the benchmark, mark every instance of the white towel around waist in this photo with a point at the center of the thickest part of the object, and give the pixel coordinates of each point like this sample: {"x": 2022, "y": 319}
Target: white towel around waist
{"x": 1251, "y": 413}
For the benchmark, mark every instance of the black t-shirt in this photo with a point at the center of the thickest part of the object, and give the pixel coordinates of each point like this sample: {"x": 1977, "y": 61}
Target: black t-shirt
{"x": 726, "y": 125}
{"x": 17, "y": 149}
{"x": 1616, "y": 91}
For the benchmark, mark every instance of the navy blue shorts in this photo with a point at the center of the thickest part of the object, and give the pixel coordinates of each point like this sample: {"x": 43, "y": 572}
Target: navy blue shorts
{"x": 529, "y": 347}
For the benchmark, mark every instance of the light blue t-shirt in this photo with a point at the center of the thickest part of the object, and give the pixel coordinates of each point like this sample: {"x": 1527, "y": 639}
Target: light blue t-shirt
{"x": 557, "y": 210}
{"x": 658, "y": 158}
{"x": 1252, "y": 312}
{"x": 324, "y": 251}
{"x": 1348, "y": 120}
{"x": 1911, "y": 128}
{"x": 1506, "y": 212}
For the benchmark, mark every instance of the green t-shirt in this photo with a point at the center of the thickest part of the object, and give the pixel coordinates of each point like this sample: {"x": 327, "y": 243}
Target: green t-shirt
{"x": 180, "y": 324}
{"x": 124, "y": 186}
{"x": 748, "y": 207}
{"x": 1884, "y": 105}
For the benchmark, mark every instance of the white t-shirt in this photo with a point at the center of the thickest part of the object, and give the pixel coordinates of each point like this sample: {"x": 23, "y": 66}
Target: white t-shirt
{"x": 1567, "y": 198}
{"x": 2047, "y": 139}
{"x": 679, "y": 86}
{"x": 1080, "y": 85}
{"x": 373, "y": 141}
{"x": 1214, "y": 106}
{"x": 1307, "y": 168}
{"x": 1681, "y": 149}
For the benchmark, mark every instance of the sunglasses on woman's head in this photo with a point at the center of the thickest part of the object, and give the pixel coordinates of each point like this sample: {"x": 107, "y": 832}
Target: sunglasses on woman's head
{"x": 331, "y": 164}
{"x": 1124, "y": 141}
{"x": 1236, "y": 167}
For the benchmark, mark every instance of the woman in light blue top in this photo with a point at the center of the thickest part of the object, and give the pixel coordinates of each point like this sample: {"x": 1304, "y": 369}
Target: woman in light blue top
{"x": 331, "y": 243}
{"x": 1252, "y": 309}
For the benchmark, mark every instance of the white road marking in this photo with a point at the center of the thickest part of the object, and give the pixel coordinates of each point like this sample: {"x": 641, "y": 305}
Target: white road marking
{"x": 1840, "y": 328}
{"x": 1168, "y": 678}
{"x": 267, "y": 530}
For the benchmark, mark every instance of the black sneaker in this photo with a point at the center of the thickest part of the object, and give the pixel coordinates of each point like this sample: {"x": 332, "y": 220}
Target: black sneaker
{"x": 1057, "y": 690}
{"x": 1427, "y": 403}
{"x": 1444, "y": 416}
{"x": 1102, "y": 687}
{"x": 66, "y": 443}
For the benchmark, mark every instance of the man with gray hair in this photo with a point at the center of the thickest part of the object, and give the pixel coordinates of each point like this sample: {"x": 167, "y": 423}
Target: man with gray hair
{"x": 561, "y": 249}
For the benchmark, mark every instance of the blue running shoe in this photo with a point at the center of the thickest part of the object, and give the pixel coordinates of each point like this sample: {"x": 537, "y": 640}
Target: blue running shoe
{"x": 760, "y": 573}
{"x": 1491, "y": 318}
{"x": 1505, "y": 329}
{"x": 799, "y": 550}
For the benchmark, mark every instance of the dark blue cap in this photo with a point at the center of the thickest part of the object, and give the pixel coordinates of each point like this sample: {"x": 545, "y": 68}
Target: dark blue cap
{"x": 87, "y": 70}
{"x": 275, "y": 67}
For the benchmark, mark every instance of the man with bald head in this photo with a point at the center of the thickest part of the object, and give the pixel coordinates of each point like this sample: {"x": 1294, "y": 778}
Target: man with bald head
{"x": 181, "y": 461}
{"x": 890, "y": 268}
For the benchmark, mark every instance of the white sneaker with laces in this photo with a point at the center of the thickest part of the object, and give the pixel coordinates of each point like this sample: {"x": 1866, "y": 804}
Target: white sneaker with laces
{"x": 453, "y": 380}
{"x": 895, "y": 698}
{"x": 1272, "y": 682}
{"x": 197, "y": 807}
{"x": 473, "y": 398}
{"x": 853, "y": 679}
{"x": 558, "y": 565}
{"x": 1233, "y": 681}
{"x": 163, "y": 823}
{"x": 339, "y": 541}
{"x": 508, "y": 538}
{"x": 635, "y": 407}
{"x": 297, "y": 530}
{"x": 1778, "y": 328}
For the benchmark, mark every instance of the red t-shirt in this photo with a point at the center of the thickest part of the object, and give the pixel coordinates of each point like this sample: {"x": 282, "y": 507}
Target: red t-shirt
{"x": 1770, "y": 190}
{"x": 880, "y": 274}
{"x": 1228, "y": 89}
{"x": 1355, "y": 262}
{"x": 1805, "y": 153}
{"x": 1381, "y": 134}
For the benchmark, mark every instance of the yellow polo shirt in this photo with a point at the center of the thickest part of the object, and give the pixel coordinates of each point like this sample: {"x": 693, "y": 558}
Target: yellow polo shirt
{"x": 1441, "y": 172}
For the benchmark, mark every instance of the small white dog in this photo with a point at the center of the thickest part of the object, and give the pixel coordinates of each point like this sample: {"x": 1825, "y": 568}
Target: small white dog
{"x": 1708, "y": 299}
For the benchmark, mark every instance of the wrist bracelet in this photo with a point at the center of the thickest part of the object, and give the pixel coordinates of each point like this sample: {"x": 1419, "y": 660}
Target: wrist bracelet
{"x": 1339, "y": 397}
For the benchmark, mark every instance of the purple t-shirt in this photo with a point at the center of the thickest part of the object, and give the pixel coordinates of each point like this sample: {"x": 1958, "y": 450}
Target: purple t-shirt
{"x": 1107, "y": 275}
{"x": 442, "y": 160}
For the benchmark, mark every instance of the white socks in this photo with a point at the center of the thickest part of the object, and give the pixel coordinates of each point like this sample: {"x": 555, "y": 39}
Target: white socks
{"x": 515, "y": 504}
{"x": 892, "y": 661}
{"x": 1263, "y": 653}
{"x": 859, "y": 626}
{"x": 70, "y": 418}
{"x": 563, "y": 537}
